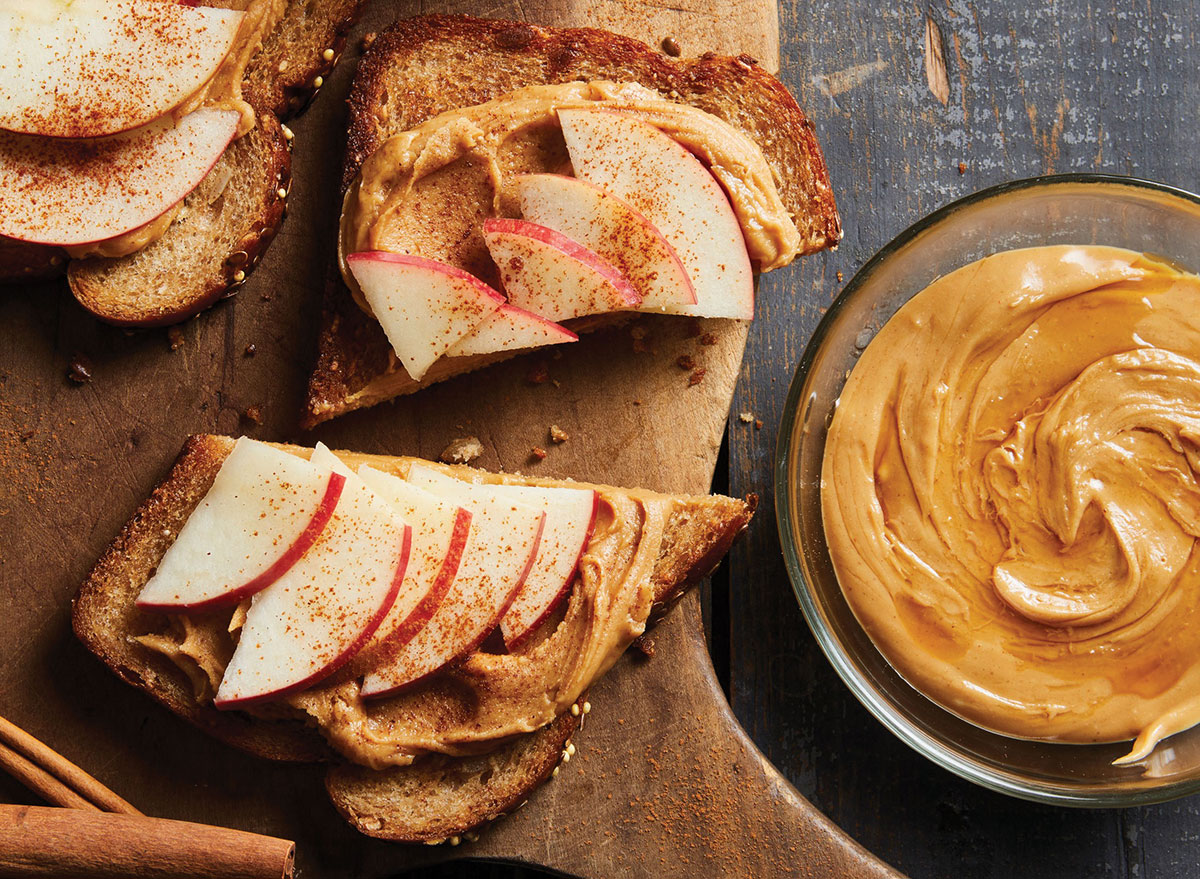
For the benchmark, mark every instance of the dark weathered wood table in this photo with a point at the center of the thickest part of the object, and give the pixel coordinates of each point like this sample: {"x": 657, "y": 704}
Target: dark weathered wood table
{"x": 1031, "y": 88}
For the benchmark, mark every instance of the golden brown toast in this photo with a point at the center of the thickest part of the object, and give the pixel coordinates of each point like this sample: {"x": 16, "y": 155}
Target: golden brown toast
{"x": 402, "y": 81}
{"x": 229, "y": 220}
{"x": 410, "y": 803}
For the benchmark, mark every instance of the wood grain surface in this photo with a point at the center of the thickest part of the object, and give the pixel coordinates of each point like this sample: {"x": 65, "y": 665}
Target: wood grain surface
{"x": 1032, "y": 88}
{"x": 663, "y": 784}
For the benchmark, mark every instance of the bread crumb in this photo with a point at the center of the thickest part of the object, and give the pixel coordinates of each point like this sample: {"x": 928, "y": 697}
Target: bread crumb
{"x": 644, "y": 646}
{"x": 80, "y": 370}
{"x": 558, "y": 435}
{"x": 758, "y": 424}
{"x": 367, "y": 40}
{"x": 962, "y": 168}
{"x": 251, "y": 350}
{"x": 685, "y": 361}
{"x": 175, "y": 337}
{"x": 839, "y": 277}
{"x": 463, "y": 450}
{"x": 537, "y": 453}
{"x": 745, "y": 417}
{"x": 254, "y": 414}
{"x": 708, "y": 339}
{"x": 696, "y": 377}
{"x": 538, "y": 374}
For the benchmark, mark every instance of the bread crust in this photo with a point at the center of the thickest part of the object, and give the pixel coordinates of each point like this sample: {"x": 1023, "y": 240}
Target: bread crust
{"x": 259, "y": 163}
{"x": 174, "y": 278}
{"x": 399, "y": 85}
{"x": 438, "y": 798}
{"x": 105, "y": 618}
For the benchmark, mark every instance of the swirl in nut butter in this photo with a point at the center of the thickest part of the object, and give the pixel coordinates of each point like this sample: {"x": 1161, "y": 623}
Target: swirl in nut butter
{"x": 1011, "y": 499}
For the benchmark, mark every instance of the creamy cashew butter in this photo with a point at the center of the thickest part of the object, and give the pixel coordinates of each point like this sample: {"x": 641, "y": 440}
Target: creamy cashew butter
{"x": 427, "y": 191}
{"x": 484, "y": 699}
{"x": 1010, "y": 494}
{"x": 223, "y": 91}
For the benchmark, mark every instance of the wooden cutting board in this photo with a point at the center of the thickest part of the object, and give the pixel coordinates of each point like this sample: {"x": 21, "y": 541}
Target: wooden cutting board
{"x": 664, "y": 782}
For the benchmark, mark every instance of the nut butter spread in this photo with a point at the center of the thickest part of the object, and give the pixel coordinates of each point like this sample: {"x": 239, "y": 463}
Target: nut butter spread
{"x": 223, "y": 91}
{"x": 1010, "y": 494}
{"x": 427, "y": 191}
{"x": 484, "y": 699}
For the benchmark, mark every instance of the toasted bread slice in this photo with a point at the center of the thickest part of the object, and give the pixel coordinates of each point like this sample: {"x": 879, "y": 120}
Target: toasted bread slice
{"x": 698, "y": 532}
{"x": 401, "y": 83}
{"x": 227, "y": 222}
{"x": 438, "y": 798}
{"x": 215, "y": 240}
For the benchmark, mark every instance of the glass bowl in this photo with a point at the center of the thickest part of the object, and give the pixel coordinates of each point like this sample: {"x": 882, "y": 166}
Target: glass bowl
{"x": 1065, "y": 209}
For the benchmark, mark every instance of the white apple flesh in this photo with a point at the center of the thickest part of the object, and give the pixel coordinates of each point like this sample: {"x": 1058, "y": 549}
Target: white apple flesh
{"x": 69, "y": 193}
{"x": 319, "y": 614}
{"x": 498, "y": 557}
{"x": 91, "y": 68}
{"x": 545, "y": 272}
{"x": 635, "y": 161}
{"x": 570, "y": 515}
{"x": 614, "y": 230}
{"x": 424, "y": 306}
{"x": 439, "y": 536}
{"x": 509, "y": 328}
{"x": 264, "y": 510}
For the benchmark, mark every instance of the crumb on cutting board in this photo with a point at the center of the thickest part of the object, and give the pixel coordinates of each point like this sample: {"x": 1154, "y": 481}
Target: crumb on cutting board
{"x": 463, "y": 450}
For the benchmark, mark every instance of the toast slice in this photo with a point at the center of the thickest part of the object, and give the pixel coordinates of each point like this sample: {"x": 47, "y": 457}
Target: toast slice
{"x": 412, "y": 803}
{"x": 401, "y": 83}
{"x": 227, "y": 222}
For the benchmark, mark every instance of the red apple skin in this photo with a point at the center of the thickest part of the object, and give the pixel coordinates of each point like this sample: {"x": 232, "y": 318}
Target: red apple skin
{"x": 351, "y": 649}
{"x": 427, "y": 606}
{"x": 571, "y": 248}
{"x": 290, "y": 556}
{"x": 431, "y": 265}
{"x": 480, "y": 638}
{"x": 515, "y": 640}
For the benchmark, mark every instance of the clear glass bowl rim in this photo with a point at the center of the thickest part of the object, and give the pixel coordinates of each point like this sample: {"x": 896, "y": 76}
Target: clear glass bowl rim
{"x": 845, "y": 666}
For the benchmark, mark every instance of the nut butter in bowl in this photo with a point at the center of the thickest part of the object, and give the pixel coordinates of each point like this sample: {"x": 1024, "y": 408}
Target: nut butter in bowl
{"x": 988, "y": 489}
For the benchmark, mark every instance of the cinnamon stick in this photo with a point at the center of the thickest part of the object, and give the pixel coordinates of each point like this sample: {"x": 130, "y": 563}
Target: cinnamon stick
{"x": 77, "y": 844}
{"x": 41, "y": 782}
{"x": 54, "y": 764}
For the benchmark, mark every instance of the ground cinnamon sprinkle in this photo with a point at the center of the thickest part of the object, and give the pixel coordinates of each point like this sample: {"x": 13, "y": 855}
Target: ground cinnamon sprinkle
{"x": 25, "y": 463}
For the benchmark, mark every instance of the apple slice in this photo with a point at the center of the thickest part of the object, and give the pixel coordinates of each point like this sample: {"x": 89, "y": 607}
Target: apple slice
{"x": 264, "y": 510}
{"x": 439, "y": 539}
{"x": 570, "y": 515}
{"x": 69, "y": 192}
{"x": 545, "y": 272}
{"x": 509, "y": 328}
{"x": 635, "y": 161}
{"x": 90, "y": 68}
{"x": 424, "y": 306}
{"x": 499, "y": 555}
{"x": 614, "y": 230}
{"x": 325, "y": 608}
{"x": 439, "y": 536}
